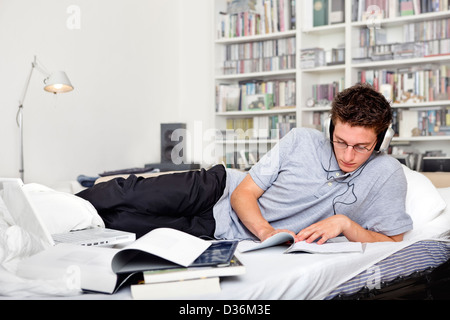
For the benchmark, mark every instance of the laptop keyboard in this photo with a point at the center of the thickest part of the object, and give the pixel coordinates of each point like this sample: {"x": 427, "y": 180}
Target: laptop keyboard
{"x": 90, "y": 238}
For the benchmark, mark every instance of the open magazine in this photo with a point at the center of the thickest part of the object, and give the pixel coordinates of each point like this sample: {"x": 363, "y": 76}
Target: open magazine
{"x": 336, "y": 245}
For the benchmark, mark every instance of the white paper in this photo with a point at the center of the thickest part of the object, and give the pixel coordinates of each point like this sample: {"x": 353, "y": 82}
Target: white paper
{"x": 276, "y": 239}
{"x": 170, "y": 244}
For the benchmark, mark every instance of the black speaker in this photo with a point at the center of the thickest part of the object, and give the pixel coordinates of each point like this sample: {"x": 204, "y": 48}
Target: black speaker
{"x": 173, "y": 143}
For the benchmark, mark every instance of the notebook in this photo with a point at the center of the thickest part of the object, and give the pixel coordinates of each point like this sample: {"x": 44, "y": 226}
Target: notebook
{"x": 26, "y": 216}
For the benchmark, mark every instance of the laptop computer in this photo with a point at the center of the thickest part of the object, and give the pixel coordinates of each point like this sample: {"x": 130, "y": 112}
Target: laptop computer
{"x": 26, "y": 216}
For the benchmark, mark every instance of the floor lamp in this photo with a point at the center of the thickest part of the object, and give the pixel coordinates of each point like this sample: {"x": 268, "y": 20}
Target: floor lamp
{"x": 55, "y": 83}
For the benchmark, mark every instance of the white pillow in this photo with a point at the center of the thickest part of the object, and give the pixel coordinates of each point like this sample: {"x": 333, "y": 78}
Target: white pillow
{"x": 61, "y": 211}
{"x": 445, "y": 194}
{"x": 423, "y": 201}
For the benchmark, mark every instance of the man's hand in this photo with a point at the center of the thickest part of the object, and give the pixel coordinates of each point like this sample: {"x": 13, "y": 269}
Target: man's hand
{"x": 326, "y": 229}
{"x": 339, "y": 224}
{"x": 270, "y": 233}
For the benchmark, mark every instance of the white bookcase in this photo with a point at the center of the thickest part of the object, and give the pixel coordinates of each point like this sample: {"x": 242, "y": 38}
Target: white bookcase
{"x": 344, "y": 38}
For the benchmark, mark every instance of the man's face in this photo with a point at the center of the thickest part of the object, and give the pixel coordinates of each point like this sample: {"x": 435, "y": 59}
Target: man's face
{"x": 363, "y": 139}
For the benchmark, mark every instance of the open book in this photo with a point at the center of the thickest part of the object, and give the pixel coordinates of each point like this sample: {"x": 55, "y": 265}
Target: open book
{"x": 336, "y": 245}
{"x": 103, "y": 269}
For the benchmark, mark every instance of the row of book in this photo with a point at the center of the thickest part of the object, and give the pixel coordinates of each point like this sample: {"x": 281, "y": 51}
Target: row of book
{"x": 319, "y": 119}
{"x": 410, "y": 85}
{"x": 318, "y": 57}
{"x": 433, "y": 121}
{"x": 275, "y": 94}
{"x": 422, "y": 39}
{"x": 412, "y": 32}
{"x": 260, "y": 49}
{"x": 258, "y": 127}
{"x": 256, "y": 95}
{"x": 259, "y": 131}
{"x": 259, "y": 65}
{"x": 368, "y": 10}
{"x": 426, "y": 30}
{"x": 260, "y": 56}
{"x": 370, "y": 37}
{"x": 256, "y": 17}
{"x": 325, "y": 93}
{"x": 399, "y": 51}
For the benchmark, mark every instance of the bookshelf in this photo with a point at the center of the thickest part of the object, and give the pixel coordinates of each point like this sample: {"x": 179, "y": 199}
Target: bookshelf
{"x": 410, "y": 58}
{"x": 380, "y": 44}
{"x": 255, "y": 80}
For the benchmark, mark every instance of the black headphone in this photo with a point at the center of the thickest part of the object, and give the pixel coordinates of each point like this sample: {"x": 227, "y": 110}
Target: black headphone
{"x": 383, "y": 139}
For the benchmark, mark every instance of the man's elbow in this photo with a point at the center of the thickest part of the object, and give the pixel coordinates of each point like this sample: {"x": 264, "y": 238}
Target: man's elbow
{"x": 397, "y": 238}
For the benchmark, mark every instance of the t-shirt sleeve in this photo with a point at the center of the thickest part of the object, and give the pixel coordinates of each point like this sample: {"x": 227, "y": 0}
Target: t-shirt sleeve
{"x": 386, "y": 212}
{"x": 266, "y": 171}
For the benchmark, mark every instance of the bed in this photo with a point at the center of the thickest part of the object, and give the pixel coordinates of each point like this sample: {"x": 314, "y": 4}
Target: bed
{"x": 384, "y": 270}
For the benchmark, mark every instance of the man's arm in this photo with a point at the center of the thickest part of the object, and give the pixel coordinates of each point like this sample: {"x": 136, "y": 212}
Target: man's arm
{"x": 244, "y": 201}
{"x": 340, "y": 224}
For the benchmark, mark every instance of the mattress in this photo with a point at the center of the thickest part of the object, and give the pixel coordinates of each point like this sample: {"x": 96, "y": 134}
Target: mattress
{"x": 414, "y": 259}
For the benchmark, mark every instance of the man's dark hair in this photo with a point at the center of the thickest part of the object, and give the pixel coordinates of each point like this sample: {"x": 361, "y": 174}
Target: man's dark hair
{"x": 361, "y": 105}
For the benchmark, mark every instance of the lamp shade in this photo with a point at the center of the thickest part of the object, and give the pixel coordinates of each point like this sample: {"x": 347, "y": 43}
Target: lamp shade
{"x": 58, "y": 82}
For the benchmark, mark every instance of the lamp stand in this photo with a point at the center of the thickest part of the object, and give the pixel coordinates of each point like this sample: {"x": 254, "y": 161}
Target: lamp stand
{"x": 19, "y": 120}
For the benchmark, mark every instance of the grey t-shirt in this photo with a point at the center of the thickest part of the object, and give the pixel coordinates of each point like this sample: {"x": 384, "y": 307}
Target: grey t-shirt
{"x": 303, "y": 184}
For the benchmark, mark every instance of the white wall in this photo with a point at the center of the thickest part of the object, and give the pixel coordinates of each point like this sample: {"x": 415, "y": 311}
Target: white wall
{"x": 134, "y": 64}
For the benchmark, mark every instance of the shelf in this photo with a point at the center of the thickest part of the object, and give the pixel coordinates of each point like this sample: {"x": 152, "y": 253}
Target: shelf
{"x": 401, "y": 62}
{"x": 254, "y": 75}
{"x": 316, "y": 109}
{"x": 417, "y": 105}
{"x": 256, "y": 113}
{"x": 422, "y": 104}
{"x": 270, "y": 36}
{"x": 420, "y": 138}
{"x": 402, "y": 20}
{"x": 248, "y": 141}
{"x": 333, "y": 28}
{"x": 324, "y": 69}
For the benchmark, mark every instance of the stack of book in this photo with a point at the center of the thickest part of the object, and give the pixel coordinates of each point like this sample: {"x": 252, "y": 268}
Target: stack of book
{"x": 179, "y": 282}
{"x": 170, "y": 263}
{"x": 312, "y": 57}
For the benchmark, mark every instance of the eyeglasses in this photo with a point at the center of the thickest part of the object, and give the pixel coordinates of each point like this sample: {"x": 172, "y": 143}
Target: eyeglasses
{"x": 358, "y": 148}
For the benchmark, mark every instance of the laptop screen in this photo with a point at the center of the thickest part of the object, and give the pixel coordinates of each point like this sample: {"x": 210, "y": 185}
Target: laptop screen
{"x": 24, "y": 214}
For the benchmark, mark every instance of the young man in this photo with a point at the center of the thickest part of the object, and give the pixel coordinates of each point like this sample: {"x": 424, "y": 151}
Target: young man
{"x": 313, "y": 186}
{"x": 321, "y": 188}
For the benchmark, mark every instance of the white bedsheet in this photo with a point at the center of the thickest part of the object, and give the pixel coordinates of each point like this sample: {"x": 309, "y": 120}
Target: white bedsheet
{"x": 270, "y": 273}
